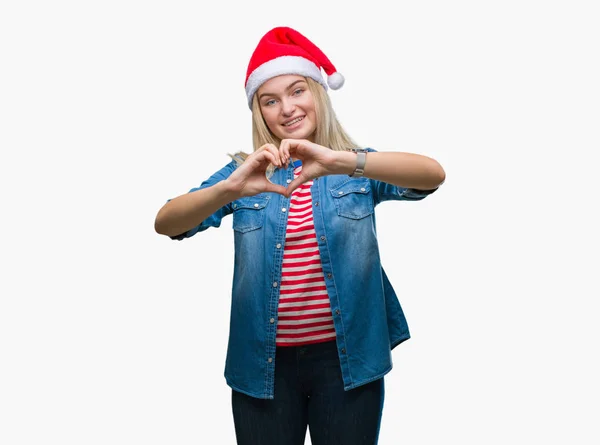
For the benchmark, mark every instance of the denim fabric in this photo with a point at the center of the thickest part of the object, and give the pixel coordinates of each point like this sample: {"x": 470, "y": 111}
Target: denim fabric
{"x": 367, "y": 315}
{"x": 309, "y": 390}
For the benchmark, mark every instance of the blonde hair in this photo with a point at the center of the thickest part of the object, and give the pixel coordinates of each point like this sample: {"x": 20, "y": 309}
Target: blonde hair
{"x": 329, "y": 132}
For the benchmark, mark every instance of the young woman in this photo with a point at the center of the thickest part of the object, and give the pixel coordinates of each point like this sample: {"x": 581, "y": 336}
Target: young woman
{"x": 313, "y": 316}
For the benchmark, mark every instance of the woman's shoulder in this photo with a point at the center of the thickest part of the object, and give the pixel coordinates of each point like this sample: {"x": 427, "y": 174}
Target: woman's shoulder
{"x": 227, "y": 169}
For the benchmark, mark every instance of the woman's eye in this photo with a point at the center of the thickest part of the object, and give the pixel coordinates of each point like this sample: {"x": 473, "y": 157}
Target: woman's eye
{"x": 298, "y": 91}
{"x": 269, "y": 102}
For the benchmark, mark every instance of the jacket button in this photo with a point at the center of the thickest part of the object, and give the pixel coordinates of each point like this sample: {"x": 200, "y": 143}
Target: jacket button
{"x": 329, "y": 275}
{"x": 270, "y": 360}
{"x": 322, "y": 238}
{"x": 256, "y": 205}
{"x": 279, "y": 245}
{"x": 317, "y": 203}
{"x": 283, "y": 209}
{"x": 288, "y": 181}
{"x": 337, "y": 311}
{"x": 343, "y": 350}
{"x": 272, "y": 320}
{"x": 275, "y": 284}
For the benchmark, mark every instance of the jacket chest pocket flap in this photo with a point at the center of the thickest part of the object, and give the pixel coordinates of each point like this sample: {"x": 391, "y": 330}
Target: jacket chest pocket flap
{"x": 353, "y": 199}
{"x": 249, "y": 213}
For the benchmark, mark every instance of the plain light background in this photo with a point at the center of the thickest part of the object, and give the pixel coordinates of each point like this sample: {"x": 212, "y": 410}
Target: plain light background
{"x": 112, "y": 334}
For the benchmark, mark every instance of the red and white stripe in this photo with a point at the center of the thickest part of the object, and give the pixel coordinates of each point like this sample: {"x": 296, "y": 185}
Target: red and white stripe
{"x": 304, "y": 312}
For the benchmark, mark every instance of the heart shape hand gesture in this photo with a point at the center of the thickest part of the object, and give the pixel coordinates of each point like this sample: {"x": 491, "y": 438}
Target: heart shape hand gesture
{"x": 316, "y": 160}
{"x": 250, "y": 178}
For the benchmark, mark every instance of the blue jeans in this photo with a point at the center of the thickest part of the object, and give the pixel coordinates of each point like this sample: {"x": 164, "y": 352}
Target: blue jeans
{"x": 309, "y": 391}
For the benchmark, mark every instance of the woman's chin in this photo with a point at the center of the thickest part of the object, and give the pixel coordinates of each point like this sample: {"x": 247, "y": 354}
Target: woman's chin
{"x": 299, "y": 133}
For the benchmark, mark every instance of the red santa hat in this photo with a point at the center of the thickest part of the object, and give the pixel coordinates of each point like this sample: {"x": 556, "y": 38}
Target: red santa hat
{"x": 284, "y": 50}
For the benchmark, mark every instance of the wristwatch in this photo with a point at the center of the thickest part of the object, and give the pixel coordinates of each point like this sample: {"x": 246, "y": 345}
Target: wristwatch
{"x": 361, "y": 159}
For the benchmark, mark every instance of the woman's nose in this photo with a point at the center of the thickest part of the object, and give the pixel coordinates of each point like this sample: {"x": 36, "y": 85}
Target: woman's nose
{"x": 288, "y": 107}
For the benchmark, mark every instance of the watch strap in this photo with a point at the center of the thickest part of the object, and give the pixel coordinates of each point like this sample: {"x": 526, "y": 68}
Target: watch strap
{"x": 361, "y": 160}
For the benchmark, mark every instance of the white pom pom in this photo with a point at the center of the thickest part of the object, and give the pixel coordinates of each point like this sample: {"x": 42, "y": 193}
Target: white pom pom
{"x": 335, "y": 81}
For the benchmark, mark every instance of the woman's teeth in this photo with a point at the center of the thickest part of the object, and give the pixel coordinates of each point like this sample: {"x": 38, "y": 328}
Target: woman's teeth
{"x": 293, "y": 122}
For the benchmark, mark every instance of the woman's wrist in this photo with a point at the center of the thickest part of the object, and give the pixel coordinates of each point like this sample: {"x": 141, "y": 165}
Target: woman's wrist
{"x": 228, "y": 190}
{"x": 344, "y": 163}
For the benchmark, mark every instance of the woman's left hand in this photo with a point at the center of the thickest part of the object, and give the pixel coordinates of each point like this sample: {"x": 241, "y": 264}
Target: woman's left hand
{"x": 316, "y": 160}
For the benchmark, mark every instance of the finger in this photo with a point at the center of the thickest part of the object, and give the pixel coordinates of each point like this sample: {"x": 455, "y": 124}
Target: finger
{"x": 274, "y": 188}
{"x": 271, "y": 157}
{"x": 271, "y": 148}
{"x": 259, "y": 159}
{"x": 295, "y": 147}
{"x": 294, "y": 185}
{"x": 284, "y": 150}
{"x": 259, "y": 156}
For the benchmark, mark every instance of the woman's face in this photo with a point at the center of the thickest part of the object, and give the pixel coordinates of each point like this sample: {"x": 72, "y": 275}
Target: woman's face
{"x": 288, "y": 107}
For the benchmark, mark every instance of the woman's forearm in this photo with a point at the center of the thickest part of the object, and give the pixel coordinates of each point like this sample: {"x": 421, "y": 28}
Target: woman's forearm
{"x": 407, "y": 170}
{"x": 187, "y": 211}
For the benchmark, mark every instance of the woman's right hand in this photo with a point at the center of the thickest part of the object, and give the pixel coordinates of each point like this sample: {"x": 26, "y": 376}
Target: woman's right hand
{"x": 250, "y": 178}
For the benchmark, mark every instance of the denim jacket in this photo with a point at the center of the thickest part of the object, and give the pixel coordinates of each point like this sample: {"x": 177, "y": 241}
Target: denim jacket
{"x": 368, "y": 319}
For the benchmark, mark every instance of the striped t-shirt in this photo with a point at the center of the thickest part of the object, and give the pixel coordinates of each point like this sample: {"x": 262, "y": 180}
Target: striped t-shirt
{"x": 304, "y": 312}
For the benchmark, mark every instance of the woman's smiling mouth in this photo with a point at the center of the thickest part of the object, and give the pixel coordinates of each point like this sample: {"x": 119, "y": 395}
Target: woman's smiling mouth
{"x": 293, "y": 122}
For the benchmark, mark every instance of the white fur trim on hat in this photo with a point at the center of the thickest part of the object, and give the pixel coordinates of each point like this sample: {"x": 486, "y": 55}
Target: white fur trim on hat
{"x": 279, "y": 66}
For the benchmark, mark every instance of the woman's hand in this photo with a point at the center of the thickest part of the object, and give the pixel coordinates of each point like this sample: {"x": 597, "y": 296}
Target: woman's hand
{"x": 250, "y": 178}
{"x": 316, "y": 160}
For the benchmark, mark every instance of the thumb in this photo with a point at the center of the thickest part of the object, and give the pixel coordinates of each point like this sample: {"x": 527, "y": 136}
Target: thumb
{"x": 274, "y": 188}
{"x": 297, "y": 182}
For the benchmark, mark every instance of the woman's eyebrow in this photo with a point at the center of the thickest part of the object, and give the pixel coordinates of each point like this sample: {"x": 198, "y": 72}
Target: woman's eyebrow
{"x": 286, "y": 88}
{"x": 289, "y": 87}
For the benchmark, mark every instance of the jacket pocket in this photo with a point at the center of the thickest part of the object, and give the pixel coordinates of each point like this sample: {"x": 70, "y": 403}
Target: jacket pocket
{"x": 249, "y": 213}
{"x": 353, "y": 198}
